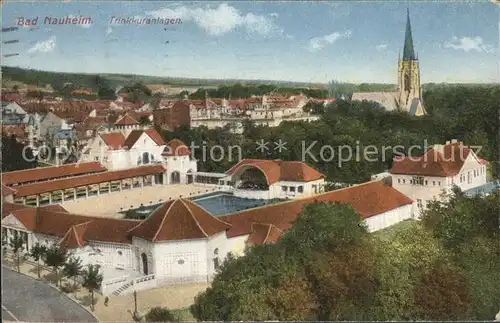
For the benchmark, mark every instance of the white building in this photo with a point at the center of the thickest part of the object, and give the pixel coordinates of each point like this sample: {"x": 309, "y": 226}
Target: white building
{"x": 440, "y": 168}
{"x": 270, "y": 179}
{"x": 181, "y": 168}
{"x": 126, "y": 148}
{"x": 180, "y": 242}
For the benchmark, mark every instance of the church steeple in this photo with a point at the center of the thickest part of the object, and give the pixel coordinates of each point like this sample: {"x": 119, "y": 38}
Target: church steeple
{"x": 408, "y": 52}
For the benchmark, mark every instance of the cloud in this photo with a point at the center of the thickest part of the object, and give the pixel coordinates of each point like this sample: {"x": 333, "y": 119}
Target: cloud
{"x": 318, "y": 43}
{"x": 220, "y": 20}
{"x": 109, "y": 30}
{"x": 44, "y": 46}
{"x": 381, "y": 47}
{"x": 469, "y": 44}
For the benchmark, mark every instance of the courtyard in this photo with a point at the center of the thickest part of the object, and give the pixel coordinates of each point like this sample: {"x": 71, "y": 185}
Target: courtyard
{"x": 110, "y": 205}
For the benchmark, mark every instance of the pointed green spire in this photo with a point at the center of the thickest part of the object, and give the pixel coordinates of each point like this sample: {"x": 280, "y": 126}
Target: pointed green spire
{"x": 408, "y": 52}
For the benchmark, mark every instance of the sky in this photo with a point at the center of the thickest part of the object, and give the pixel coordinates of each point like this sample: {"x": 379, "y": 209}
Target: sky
{"x": 456, "y": 42}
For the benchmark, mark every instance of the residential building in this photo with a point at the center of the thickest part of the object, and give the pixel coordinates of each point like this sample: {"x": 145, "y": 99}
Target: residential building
{"x": 442, "y": 167}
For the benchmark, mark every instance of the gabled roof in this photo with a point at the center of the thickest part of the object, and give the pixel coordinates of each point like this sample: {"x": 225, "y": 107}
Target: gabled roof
{"x": 176, "y": 147}
{"x": 27, "y": 215}
{"x": 126, "y": 120}
{"x": 157, "y": 138}
{"x": 368, "y": 199}
{"x": 263, "y": 233}
{"x": 51, "y": 172}
{"x": 179, "y": 220}
{"x": 114, "y": 140}
{"x": 444, "y": 162}
{"x": 74, "y": 237}
{"x": 136, "y": 134}
{"x": 279, "y": 170}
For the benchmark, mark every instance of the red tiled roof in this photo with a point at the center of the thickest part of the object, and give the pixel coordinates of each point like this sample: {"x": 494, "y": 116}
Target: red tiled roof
{"x": 7, "y": 208}
{"x": 367, "y": 199}
{"x": 74, "y": 237}
{"x": 132, "y": 138}
{"x": 114, "y": 140}
{"x": 176, "y": 147}
{"x": 264, "y": 233}
{"x": 7, "y": 190}
{"x": 447, "y": 162}
{"x": 51, "y": 172}
{"x": 179, "y": 220}
{"x": 126, "y": 120}
{"x": 155, "y": 136}
{"x": 278, "y": 170}
{"x": 60, "y": 184}
{"x": 27, "y": 215}
{"x": 483, "y": 161}
{"x": 97, "y": 228}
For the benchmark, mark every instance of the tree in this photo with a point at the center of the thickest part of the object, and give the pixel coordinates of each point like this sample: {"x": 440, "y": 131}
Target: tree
{"x": 143, "y": 120}
{"x": 322, "y": 227}
{"x": 159, "y": 314}
{"x": 73, "y": 268}
{"x": 55, "y": 257}
{"x": 17, "y": 243}
{"x": 38, "y": 253}
{"x": 92, "y": 280}
{"x": 443, "y": 293}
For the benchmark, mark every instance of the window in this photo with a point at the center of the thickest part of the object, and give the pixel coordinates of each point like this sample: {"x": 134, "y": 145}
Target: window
{"x": 283, "y": 188}
{"x": 425, "y": 182}
{"x": 434, "y": 183}
{"x": 180, "y": 261}
{"x": 301, "y": 189}
{"x": 439, "y": 183}
{"x": 216, "y": 263}
{"x": 96, "y": 158}
{"x": 216, "y": 251}
{"x": 120, "y": 253}
{"x": 399, "y": 180}
{"x": 292, "y": 189}
{"x": 404, "y": 181}
{"x": 105, "y": 159}
{"x": 419, "y": 203}
{"x": 418, "y": 180}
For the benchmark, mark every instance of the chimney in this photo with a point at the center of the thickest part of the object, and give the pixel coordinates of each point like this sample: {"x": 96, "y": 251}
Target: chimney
{"x": 454, "y": 141}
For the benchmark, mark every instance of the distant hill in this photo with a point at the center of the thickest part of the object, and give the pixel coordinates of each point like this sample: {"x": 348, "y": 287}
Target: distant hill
{"x": 58, "y": 79}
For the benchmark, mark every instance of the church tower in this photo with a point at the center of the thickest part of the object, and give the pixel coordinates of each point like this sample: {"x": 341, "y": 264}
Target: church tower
{"x": 409, "y": 89}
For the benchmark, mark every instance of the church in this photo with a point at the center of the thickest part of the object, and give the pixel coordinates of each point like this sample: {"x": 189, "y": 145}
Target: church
{"x": 408, "y": 96}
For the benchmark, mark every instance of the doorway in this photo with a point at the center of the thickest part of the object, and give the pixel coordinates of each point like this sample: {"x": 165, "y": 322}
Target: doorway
{"x": 144, "y": 263}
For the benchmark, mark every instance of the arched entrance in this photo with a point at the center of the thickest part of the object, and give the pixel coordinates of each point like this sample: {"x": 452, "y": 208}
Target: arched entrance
{"x": 189, "y": 177}
{"x": 144, "y": 258}
{"x": 175, "y": 178}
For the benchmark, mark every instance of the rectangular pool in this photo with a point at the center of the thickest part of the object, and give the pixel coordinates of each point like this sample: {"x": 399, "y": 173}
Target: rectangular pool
{"x": 216, "y": 203}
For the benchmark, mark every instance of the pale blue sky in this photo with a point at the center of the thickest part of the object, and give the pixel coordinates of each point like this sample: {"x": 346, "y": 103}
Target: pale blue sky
{"x": 293, "y": 41}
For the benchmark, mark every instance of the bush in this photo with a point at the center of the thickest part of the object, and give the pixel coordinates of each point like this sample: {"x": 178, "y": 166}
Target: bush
{"x": 159, "y": 314}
